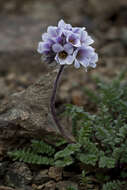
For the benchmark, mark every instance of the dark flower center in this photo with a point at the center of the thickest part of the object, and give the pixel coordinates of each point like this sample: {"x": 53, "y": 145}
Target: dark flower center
{"x": 62, "y": 40}
{"x": 62, "y": 55}
{"x": 80, "y": 54}
{"x": 72, "y": 40}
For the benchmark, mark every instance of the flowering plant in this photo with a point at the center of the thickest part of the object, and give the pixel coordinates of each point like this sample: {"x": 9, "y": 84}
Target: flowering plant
{"x": 66, "y": 45}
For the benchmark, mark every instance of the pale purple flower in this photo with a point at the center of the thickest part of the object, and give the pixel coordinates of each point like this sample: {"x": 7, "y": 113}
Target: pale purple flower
{"x": 66, "y": 45}
{"x": 44, "y": 47}
{"x": 78, "y": 29}
{"x": 54, "y": 31}
{"x": 62, "y": 25}
{"x": 61, "y": 39}
{"x": 63, "y": 54}
{"x": 85, "y": 56}
{"x": 85, "y": 38}
{"x": 73, "y": 39}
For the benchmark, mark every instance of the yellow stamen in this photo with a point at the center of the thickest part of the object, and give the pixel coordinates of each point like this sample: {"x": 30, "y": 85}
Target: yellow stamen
{"x": 62, "y": 55}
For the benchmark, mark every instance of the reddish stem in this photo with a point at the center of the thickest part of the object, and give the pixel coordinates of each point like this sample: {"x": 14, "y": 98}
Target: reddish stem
{"x": 52, "y": 105}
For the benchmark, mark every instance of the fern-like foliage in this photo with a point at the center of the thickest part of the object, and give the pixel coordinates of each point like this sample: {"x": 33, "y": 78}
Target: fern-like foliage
{"x": 66, "y": 155}
{"x": 39, "y": 153}
{"x": 42, "y": 147}
{"x": 114, "y": 185}
{"x": 101, "y": 137}
{"x": 71, "y": 188}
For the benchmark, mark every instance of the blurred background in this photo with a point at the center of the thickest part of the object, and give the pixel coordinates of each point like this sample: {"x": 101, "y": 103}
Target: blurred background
{"x": 23, "y": 22}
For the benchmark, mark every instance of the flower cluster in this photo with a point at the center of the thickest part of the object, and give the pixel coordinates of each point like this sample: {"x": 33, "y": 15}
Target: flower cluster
{"x": 68, "y": 45}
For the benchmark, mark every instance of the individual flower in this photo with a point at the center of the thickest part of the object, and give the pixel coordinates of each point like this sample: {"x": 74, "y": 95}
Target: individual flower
{"x": 62, "y": 25}
{"x": 61, "y": 39}
{"x": 78, "y": 29}
{"x": 73, "y": 39}
{"x": 85, "y": 56}
{"x": 54, "y": 32}
{"x": 85, "y": 38}
{"x": 44, "y": 47}
{"x": 63, "y": 54}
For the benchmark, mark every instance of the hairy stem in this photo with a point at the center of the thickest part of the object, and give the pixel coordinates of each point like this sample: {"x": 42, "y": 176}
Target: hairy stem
{"x": 52, "y": 105}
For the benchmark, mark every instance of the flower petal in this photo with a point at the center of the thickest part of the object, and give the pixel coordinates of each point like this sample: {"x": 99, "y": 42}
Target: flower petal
{"x": 85, "y": 62}
{"x": 43, "y": 46}
{"x": 52, "y": 31}
{"x": 57, "y": 48}
{"x": 89, "y": 41}
{"x": 45, "y": 36}
{"x": 73, "y": 39}
{"x": 83, "y": 36}
{"x": 77, "y": 43}
{"x": 68, "y": 26}
{"x": 68, "y": 48}
{"x": 56, "y": 58}
{"x": 87, "y": 51}
{"x": 60, "y": 61}
{"x": 61, "y": 23}
{"x": 78, "y": 29}
{"x": 69, "y": 59}
{"x": 93, "y": 65}
{"x": 75, "y": 52}
{"x": 94, "y": 58}
{"x": 76, "y": 64}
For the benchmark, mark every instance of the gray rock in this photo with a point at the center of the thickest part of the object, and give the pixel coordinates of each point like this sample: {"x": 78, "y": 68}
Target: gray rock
{"x": 41, "y": 177}
{"x": 28, "y": 112}
{"x": 63, "y": 185}
{"x": 6, "y": 188}
{"x": 3, "y": 168}
{"x": 55, "y": 173}
{"x": 51, "y": 185}
{"x": 18, "y": 175}
{"x": 123, "y": 35}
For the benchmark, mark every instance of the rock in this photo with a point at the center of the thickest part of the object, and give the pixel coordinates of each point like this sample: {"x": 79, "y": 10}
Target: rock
{"x": 28, "y": 113}
{"x": 3, "y": 168}
{"x": 4, "y": 88}
{"x": 77, "y": 97}
{"x": 67, "y": 174}
{"x": 2, "y": 151}
{"x": 63, "y": 185}
{"x": 51, "y": 185}
{"x": 41, "y": 177}
{"x": 6, "y": 188}
{"x": 123, "y": 35}
{"x": 18, "y": 176}
{"x": 55, "y": 173}
{"x": 38, "y": 187}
